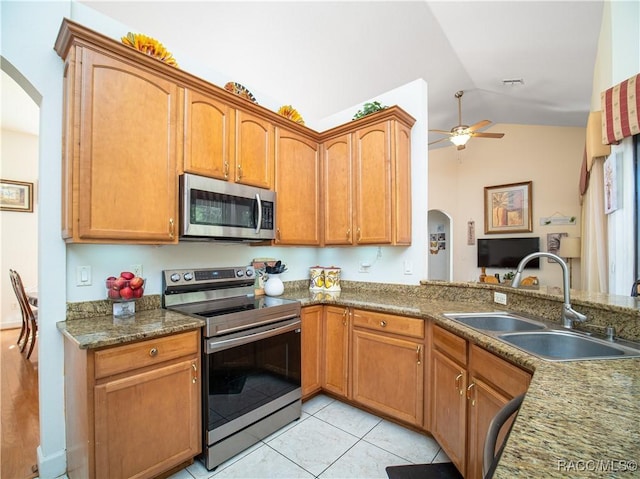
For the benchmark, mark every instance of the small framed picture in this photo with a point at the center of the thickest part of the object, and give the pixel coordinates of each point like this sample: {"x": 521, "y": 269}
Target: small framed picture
{"x": 16, "y": 196}
{"x": 507, "y": 208}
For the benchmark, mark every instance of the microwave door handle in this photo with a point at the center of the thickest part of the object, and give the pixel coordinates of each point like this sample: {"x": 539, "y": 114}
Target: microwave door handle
{"x": 259, "y": 222}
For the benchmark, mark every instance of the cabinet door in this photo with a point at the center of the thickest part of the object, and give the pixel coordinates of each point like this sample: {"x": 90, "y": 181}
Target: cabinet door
{"x": 127, "y": 183}
{"x": 255, "y": 151}
{"x": 448, "y": 407}
{"x": 336, "y": 350}
{"x": 372, "y": 171}
{"x": 209, "y": 130}
{"x": 338, "y": 190}
{"x": 388, "y": 375}
{"x": 298, "y": 189}
{"x": 484, "y": 404}
{"x": 401, "y": 184}
{"x": 311, "y": 341}
{"x": 147, "y": 423}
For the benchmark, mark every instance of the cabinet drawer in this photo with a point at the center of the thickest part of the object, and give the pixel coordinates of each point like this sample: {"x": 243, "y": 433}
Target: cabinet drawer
{"x": 145, "y": 353}
{"x": 453, "y": 346}
{"x": 387, "y": 323}
{"x": 499, "y": 373}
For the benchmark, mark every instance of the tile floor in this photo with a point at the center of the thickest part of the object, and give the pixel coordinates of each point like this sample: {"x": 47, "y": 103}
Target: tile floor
{"x": 330, "y": 440}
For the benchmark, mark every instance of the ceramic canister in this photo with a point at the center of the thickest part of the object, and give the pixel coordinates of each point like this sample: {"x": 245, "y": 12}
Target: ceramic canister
{"x": 332, "y": 279}
{"x": 316, "y": 273}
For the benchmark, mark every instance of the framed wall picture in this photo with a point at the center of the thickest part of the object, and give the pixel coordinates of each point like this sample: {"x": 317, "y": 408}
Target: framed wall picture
{"x": 507, "y": 208}
{"x": 16, "y": 196}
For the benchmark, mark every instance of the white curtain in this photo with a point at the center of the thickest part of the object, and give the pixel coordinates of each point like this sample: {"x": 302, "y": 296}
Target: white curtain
{"x": 594, "y": 262}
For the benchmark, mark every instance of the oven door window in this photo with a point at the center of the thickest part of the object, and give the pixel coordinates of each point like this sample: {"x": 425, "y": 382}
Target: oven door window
{"x": 218, "y": 209}
{"x": 243, "y": 378}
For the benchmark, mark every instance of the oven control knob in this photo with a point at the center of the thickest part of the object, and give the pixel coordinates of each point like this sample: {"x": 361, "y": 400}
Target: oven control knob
{"x": 249, "y": 272}
{"x": 239, "y": 273}
{"x": 187, "y": 276}
{"x": 175, "y": 277}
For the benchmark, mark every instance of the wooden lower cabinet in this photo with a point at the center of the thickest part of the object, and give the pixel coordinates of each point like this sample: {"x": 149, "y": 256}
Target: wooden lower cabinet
{"x": 449, "y": 407}
{"x": 388, "y": 375}
{"x": 311, "y": 341}
{"x": 336, "y": 350}
{"x": 469, "y": 386}
{"x": 133, "y": 410}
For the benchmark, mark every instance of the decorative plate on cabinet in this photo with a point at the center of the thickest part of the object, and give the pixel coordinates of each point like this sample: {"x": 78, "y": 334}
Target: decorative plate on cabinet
{"x": 291, "y": 113}
{"x": 240, "y": 90}
{"x": 149, "y": 46}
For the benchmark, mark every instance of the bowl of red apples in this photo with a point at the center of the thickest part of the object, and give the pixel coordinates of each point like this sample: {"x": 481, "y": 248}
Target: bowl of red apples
{"x": 126, "y": 287}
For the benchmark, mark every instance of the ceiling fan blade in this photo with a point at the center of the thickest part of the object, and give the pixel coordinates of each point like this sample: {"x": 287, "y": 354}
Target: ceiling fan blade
{"x": 480, "y": 124}
{"x": 446, "y": 132}
{"x": 487, "y": 135}
{"x": 437, "y": 141}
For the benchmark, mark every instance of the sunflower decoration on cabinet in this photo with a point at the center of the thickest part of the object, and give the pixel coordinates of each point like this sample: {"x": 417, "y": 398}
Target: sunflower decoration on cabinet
{"x": 291, "y": 113}
{"x": 149, "y": 46}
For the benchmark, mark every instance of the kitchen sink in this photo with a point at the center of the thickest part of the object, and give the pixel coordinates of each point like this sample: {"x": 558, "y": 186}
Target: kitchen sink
{"x": 566, "y": 346}
{"x": 498, "y": 322}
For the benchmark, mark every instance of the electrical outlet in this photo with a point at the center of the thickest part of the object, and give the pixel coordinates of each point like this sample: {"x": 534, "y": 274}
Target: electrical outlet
{"x": 500, "y": 298}
{"x": 83, "y": 276}
{"x": 136, "y": 269}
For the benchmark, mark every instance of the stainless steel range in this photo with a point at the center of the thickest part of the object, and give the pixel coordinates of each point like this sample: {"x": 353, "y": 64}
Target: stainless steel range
{"x": 250, "y": 355}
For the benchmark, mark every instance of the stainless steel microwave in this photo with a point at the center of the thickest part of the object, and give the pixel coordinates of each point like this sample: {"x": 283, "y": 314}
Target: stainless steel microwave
{"x": 213, "y": 209}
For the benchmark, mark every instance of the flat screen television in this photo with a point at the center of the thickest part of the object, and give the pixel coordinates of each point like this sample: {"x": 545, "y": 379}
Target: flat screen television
{"x": 507, "y": 252}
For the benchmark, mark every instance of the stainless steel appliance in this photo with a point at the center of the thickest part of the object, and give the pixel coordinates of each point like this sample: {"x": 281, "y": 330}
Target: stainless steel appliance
{"x": 251, "y": 365}
{"x": 212, "y": 209}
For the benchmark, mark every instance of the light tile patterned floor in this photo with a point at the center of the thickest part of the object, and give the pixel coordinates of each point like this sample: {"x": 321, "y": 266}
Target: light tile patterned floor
{"x": 331, "y": 440}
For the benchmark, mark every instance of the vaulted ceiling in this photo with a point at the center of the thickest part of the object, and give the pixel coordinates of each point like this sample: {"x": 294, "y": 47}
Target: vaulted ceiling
{"x": 323, "y": 57}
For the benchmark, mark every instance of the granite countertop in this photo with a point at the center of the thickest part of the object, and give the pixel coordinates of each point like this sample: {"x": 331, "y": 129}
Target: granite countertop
{"x": 100, "y": 331}
{"x": 578, "y": 417}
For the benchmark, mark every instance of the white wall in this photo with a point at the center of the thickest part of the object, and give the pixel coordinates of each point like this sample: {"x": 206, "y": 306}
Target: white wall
{"x": 439, "y": 259}
{"x": 19, "y": 230}
{"x": 29, "y": 30}
{"x": 550, "y": 157}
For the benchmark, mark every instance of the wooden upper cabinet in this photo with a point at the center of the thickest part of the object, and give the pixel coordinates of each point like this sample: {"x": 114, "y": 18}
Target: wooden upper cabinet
{"x": 255, "y": 150}
{"x": 126, "y": 185}
{"x": 209, "y": 136}
{"x": 401, "y": 181}
{"x": 338, "y": 191}
{"x": 367, "y": 181}
{"x": 298, "y": 189}
{"x": 372, "y": 171}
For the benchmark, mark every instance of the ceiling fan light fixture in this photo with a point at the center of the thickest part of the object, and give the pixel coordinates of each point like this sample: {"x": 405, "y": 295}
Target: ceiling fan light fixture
{"x": 460, "y": 139}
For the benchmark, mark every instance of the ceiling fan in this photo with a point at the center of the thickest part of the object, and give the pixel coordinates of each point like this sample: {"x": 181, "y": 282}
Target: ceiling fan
{"x": 460, "y": 134}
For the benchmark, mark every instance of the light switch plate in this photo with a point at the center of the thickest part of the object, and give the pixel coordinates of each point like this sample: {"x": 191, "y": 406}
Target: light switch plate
{"x": 83, "y": 276}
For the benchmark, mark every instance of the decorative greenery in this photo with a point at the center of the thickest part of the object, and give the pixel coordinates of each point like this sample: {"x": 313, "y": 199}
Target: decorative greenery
{"x": 508, "y": 276}
{"x": 368, "y": 109}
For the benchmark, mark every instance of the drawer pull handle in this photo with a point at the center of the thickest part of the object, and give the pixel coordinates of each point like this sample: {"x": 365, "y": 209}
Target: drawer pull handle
{"x": 349, "y": 233}
{"x": 344, "y": 316}
{"x": 458, "y": 378}
{"x": 171, "y": 228}
{"x": 383, "y": 323}
{"x": 153, "y": 352}
{"x": 194, "y": 379}
{"x": 418, "y": 356}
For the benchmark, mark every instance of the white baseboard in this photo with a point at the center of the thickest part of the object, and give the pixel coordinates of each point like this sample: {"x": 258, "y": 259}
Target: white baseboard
{"x": 53, "y": 466}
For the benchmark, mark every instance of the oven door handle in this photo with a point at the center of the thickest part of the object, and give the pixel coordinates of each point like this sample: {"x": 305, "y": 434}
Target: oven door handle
{"x": 219, "y": 345}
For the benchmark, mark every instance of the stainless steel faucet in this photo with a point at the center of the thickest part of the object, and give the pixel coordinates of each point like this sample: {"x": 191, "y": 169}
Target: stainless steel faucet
{"x": 569, "y": 315}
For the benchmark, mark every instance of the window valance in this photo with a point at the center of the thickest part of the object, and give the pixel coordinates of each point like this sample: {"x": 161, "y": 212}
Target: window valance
{"x": 621, "y": 110}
